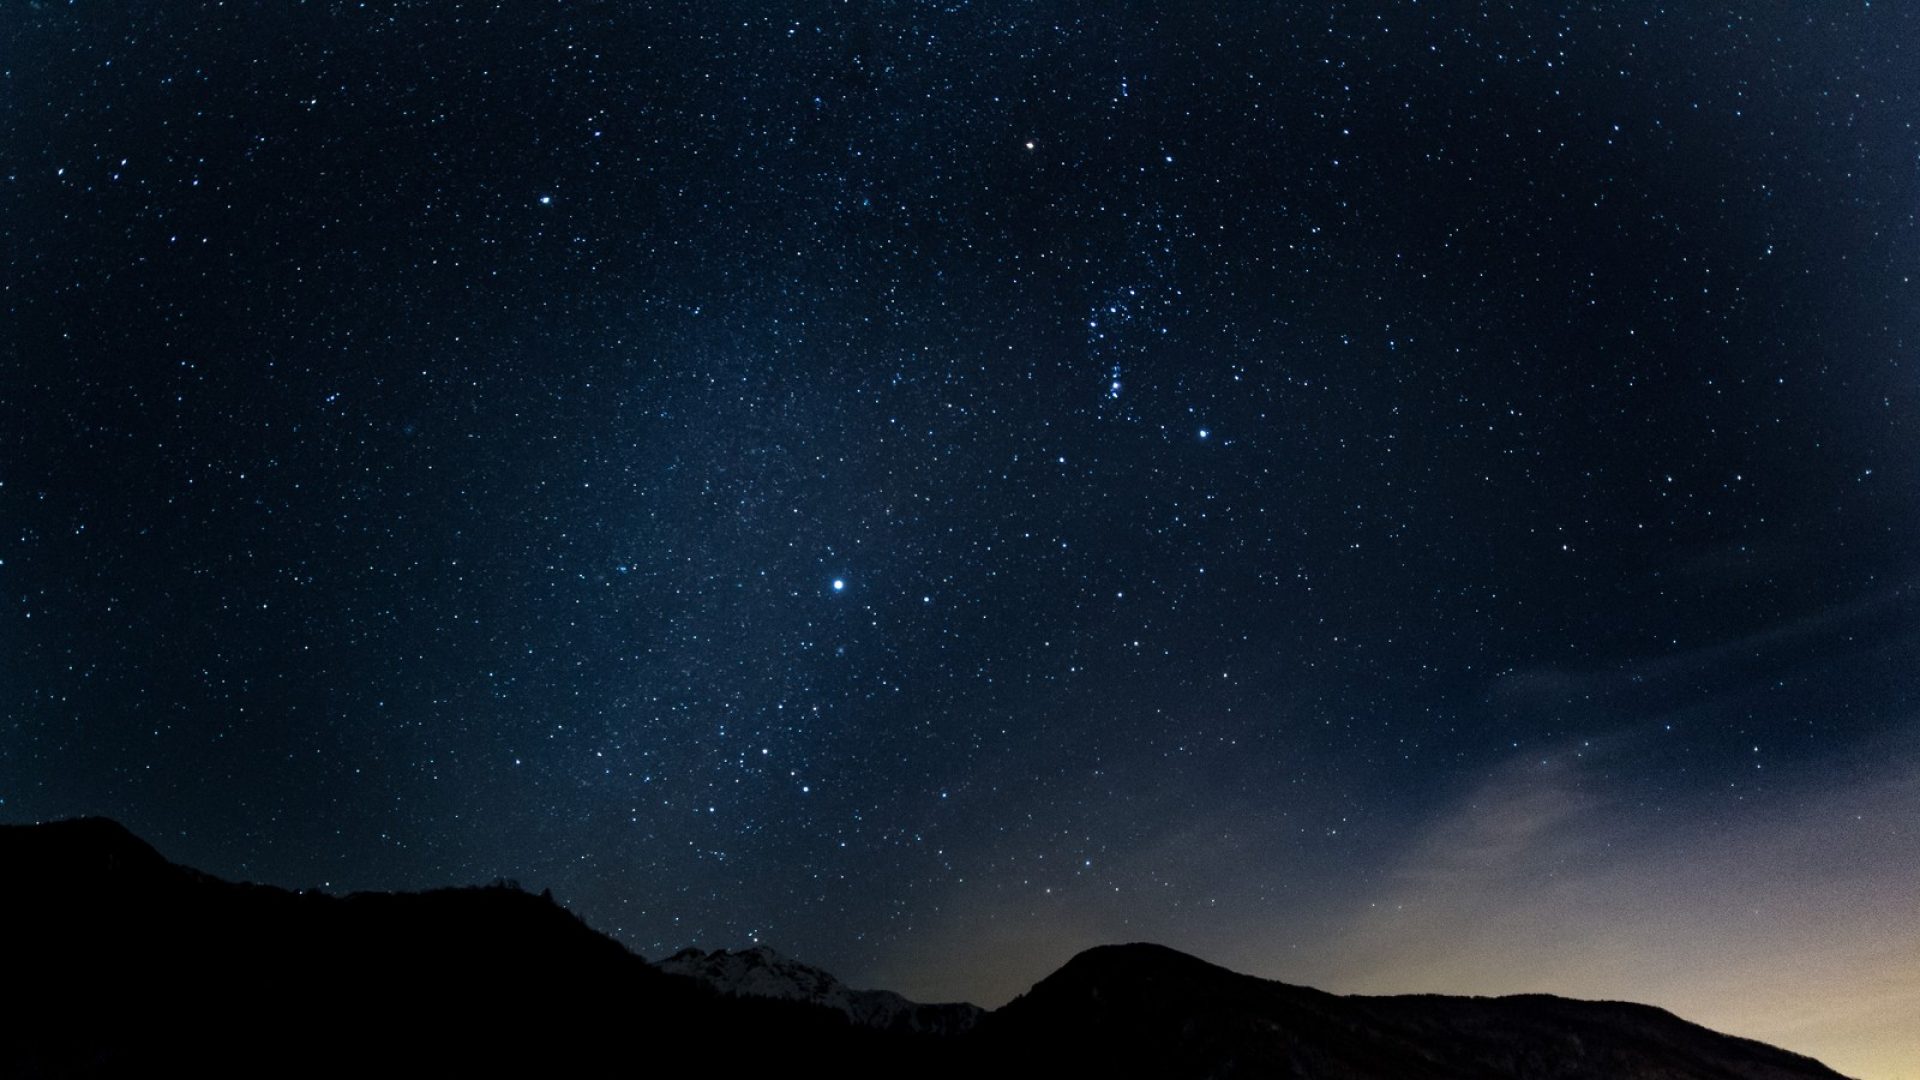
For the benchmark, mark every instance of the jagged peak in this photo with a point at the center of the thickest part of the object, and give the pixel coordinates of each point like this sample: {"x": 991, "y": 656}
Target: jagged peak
{"x": 759, "y": 971}
{"x": 753, "y": 957}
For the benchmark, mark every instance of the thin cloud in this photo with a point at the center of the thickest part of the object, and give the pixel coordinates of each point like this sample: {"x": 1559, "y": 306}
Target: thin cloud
{"x": 1773, "y": 918}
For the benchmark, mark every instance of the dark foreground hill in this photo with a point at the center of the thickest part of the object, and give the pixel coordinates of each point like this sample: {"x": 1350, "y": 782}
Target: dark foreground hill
{"x": 119, "y": 963}
{"x": 1150, "y": 1011}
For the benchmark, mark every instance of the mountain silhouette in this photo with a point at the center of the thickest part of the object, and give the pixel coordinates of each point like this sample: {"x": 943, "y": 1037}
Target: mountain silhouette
{"x": 1149, "y": 1010}
{"x": 119, "y": 962}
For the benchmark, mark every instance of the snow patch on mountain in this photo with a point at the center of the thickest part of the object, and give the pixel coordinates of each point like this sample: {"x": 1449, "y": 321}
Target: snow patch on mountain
{"x": 762, "y": 972}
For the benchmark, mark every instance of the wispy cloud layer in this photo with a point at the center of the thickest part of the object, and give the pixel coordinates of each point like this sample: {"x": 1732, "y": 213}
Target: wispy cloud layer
{"x": 1789, "y": 919}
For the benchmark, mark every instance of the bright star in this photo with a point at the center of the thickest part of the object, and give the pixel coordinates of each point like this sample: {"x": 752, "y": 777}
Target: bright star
{"x": 838, "y": 584}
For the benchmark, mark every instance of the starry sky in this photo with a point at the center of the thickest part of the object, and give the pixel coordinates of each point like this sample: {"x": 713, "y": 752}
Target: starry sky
{"x": 1387, "y": 496}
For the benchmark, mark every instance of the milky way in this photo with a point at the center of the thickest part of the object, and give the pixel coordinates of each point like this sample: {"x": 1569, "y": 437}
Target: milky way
{"x": 1387, "y": 496}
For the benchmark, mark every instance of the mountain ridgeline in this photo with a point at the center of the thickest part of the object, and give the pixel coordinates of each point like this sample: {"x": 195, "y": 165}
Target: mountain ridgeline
{"x": 119, "y": 962}
{"x": 760, "y": 972}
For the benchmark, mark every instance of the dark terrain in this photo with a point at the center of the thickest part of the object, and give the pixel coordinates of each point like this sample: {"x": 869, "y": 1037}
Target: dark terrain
{"x": 117, "y": 962}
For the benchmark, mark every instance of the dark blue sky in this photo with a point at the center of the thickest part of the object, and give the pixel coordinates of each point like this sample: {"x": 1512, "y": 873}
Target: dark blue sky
{"x": 1281, "y": 465}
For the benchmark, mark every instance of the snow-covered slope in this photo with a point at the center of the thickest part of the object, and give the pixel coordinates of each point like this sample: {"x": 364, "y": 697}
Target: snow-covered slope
{"x": 761, "y": 972}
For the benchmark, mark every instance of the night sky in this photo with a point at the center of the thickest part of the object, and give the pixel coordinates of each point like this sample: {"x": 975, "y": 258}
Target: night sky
{"x": 1395, "y": 496}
